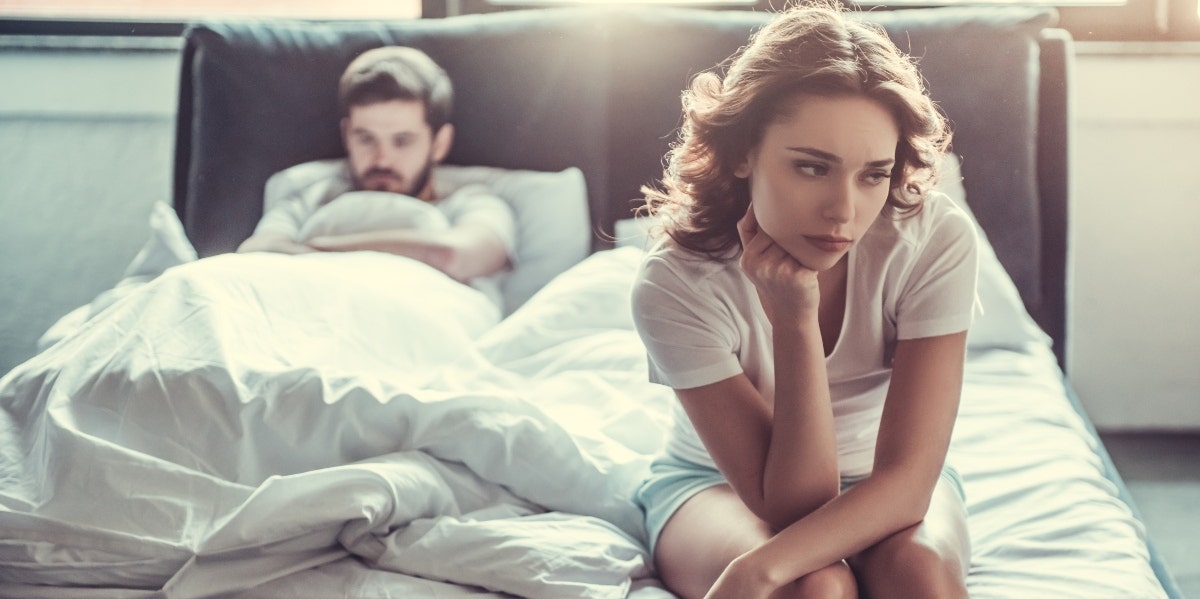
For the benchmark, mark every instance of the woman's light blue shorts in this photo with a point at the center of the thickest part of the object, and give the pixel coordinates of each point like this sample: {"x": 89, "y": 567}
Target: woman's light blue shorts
{"x": 673, "y": 481}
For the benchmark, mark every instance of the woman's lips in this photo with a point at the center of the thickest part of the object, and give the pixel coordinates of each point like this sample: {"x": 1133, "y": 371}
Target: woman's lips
{"x": 829, "y": 243}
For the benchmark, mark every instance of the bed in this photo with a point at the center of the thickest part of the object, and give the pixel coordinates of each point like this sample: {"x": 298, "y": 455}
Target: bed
{"x": 266, "y": 426}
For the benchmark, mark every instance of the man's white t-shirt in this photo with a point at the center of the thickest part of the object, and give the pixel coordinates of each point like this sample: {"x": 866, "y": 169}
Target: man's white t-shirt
{"x": 908, "y": 277}
{"x": 294, "y": 195}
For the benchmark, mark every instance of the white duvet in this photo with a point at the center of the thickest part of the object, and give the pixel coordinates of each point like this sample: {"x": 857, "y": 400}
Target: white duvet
{"x": 357, "y": 425}
{"x": 245, "y": 417}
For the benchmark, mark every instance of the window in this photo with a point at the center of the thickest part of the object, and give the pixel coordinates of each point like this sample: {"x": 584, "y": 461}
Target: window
{"x": 1087, "y": 20}
{"x": 167, "y": 17}
{"x": 1141, "y": 20}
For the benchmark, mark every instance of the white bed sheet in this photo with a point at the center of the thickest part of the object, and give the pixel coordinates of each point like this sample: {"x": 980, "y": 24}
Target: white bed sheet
{"x": 1044, "y": 521}
{"x": 187, "y": 441}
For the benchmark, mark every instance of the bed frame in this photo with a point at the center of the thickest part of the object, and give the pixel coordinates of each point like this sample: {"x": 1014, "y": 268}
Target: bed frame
{"x": 599, "y": 89}
{"x": 545, "y": 90}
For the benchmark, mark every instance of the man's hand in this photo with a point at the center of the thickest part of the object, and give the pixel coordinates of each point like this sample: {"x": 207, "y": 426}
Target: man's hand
{"x": 786, "y": 288}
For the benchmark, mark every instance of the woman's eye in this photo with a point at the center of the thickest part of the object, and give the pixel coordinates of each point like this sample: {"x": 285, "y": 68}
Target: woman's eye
{"x": 877, "y": 177}
{"x": 812, "y": 169}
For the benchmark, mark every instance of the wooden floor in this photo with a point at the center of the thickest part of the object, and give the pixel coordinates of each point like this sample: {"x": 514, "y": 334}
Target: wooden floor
{"x": 1162, "y": 472}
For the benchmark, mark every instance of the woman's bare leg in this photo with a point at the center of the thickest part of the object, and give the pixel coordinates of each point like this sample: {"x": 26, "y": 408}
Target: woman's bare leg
{"x": 928, "y": 560}
{"x": 712, "y": 529}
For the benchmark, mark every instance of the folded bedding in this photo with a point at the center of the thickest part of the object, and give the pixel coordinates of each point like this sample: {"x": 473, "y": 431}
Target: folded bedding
{"x": 359, "y": 425}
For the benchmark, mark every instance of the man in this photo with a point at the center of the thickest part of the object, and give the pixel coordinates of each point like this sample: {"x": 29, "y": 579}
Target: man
{"x": 396, "y": 104}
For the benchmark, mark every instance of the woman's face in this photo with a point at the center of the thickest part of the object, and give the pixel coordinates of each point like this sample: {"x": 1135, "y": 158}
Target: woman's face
{"x": 821, "y": 175}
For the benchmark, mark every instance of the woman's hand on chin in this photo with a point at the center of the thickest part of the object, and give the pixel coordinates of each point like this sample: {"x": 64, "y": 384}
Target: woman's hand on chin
{"x": 787, "y": 290}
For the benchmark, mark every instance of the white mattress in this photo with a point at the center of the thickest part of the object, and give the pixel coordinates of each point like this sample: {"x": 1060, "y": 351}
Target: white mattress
{"x": 322, "y": 432}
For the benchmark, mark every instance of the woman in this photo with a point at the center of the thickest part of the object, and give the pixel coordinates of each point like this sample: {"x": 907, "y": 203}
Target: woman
{"x": 809, "y": 306}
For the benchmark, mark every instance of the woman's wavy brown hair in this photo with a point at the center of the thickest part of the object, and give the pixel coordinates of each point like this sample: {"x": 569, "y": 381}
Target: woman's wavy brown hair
{"x": 814, "y": 49}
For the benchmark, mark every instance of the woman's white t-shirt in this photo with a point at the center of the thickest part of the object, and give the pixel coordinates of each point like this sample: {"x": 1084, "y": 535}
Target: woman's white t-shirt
{"x": 908, "y": 277}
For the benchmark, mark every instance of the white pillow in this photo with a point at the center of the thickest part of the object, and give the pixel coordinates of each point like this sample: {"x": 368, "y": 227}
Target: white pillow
{"x": 551, "y": 211}
{"x": 634, "y": 232}
{"x": 1004, "y": 322}
{"x": 358, "y": 211}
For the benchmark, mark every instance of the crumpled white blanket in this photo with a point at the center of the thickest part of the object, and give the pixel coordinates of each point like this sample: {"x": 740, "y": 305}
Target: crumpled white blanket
{"x": 263, "y": 426}
{"x": 242, "y": 422}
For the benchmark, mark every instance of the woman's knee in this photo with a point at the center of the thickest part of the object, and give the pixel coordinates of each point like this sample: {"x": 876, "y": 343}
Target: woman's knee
{"x": 830, "y": 582}
{"x": 907, "y": 567}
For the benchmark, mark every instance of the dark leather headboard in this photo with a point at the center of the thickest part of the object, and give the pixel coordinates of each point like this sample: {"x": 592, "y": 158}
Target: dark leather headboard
{"x": 599, "y": 89}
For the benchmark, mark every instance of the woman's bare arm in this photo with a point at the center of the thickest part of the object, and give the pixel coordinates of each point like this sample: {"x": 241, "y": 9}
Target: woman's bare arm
{"x": 782, "y": 463}
{"x": 781, "y": 460}
{"x": 914, "y": 434}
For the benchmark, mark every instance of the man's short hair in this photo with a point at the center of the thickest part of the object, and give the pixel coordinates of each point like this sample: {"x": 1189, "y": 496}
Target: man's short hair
{"x": 397, "y": 73}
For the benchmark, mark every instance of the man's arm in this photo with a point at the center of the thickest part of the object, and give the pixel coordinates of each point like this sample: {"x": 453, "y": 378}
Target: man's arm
{"x": 278, "y": 243}
{"x": 290, "y": 198}
{"x": 462, "y": 252}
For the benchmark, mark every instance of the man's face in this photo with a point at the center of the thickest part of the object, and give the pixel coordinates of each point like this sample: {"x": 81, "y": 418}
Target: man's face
{"x": 392, "y": 148}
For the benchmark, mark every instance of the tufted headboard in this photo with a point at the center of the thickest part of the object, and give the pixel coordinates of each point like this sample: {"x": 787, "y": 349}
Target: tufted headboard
{"x": 598, "y": 88}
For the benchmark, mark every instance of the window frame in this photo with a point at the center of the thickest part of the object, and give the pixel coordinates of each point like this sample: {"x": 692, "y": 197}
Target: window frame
{"x": 26, "y": 26}
{"x": 1132, "y": 20}
{"x": 1101, "y": 20}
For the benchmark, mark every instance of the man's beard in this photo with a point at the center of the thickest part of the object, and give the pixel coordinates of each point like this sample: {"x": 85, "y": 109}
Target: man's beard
{"x": 416, "y": 187}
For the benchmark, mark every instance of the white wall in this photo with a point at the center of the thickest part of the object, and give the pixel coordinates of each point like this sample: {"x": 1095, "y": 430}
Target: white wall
{"x": 1134, "y": 340}
{"x": 86, "y": 144}
{"x": 86, "y": 139}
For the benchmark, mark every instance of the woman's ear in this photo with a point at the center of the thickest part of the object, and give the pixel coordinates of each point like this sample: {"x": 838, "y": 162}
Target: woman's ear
{"x": 743, "y": 169}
